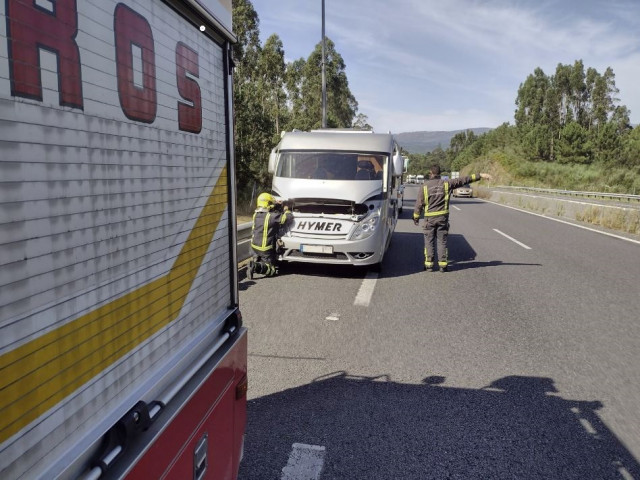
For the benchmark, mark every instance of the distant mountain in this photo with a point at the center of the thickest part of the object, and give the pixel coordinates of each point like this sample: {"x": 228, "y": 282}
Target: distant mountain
{"x": 424, "y": 142}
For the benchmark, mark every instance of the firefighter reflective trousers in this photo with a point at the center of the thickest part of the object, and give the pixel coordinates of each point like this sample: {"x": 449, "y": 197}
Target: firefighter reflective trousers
{"x": 265, "y": 263}
{"x": 436, "y": 228}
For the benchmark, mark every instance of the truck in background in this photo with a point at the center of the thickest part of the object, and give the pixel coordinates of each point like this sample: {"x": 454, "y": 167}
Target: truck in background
{"x": 122, "y": 351}
{"x": 343, "y": 187}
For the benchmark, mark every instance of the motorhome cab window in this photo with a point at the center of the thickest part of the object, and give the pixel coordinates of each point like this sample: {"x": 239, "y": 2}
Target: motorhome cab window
{"x": 331, "y": 166}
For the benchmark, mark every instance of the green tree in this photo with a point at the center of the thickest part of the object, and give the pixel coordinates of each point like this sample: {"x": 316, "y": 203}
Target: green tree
{"x": 550, "y": 110}
{"x": 253, "y": 120}
{"x": 245, "y": 54}
{"x": 438, "y": 156}
{"x": 361, "y": 122}
{"x": 630, "y": 155}
{"x": 271, "y": 67}
{"x": 574, "y": 145}
{"x": 531, "y": 100}
{"x": 538, "y": 142}
{"x": 305, "y": 86}
{"x": 458, "y": 143}
{"x": 246, "y": 49}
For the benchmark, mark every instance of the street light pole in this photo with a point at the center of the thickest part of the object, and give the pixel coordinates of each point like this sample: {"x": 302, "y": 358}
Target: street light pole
{"x": 324, "y": 81}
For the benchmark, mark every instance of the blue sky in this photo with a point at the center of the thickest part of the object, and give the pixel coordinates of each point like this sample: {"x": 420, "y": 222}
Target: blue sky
{"x": 416, "y": 65}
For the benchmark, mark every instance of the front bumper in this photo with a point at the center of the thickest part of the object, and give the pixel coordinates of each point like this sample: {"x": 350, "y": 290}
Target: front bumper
{"x": 464, "y": 193}
{"x": 343, "y": 252}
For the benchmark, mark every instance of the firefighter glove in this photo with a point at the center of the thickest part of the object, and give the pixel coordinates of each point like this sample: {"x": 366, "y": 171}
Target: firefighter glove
{"x": 415, "y": 221}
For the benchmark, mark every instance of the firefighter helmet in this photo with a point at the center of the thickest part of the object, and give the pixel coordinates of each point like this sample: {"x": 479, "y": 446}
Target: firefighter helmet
{"x": 265, "y": 200}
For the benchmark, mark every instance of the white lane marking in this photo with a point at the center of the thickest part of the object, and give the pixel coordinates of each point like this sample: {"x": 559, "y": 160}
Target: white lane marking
{"x": 455, "y": 207}
{"x": 624, "y": 472}
{"x": 587, "y": 426}
{"x": 620, "y": 237}
{"x": 512, "y": 239}
{"x": 305, "y": 462}
{"x": 333, "y": 317}
{"x": 366, "y": 290}
{"x": 585, "y": 423}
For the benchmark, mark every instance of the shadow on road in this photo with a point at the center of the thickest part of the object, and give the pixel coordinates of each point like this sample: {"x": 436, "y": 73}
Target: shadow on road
{"x": 373, "y": 428}
{"x": 405, "y": 256}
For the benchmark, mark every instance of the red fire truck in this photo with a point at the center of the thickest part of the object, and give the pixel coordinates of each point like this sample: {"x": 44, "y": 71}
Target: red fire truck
{"x": 122, "y": 351}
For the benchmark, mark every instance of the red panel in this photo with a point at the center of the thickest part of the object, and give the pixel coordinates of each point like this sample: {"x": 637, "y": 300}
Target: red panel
{"x": 213, "y": 409}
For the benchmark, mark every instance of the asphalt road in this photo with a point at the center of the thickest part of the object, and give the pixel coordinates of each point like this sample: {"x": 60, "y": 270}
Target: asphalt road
{"x": 520, "y": 362}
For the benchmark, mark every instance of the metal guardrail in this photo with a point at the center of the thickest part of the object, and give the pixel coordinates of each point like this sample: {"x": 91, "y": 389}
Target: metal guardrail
{"x": 244, "y": 229}
{"x": 577, "y": 193}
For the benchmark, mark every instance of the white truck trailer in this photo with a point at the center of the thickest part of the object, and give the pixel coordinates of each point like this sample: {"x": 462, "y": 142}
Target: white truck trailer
{"x": 122, "y": 353}
{"x": 342, "y": 187}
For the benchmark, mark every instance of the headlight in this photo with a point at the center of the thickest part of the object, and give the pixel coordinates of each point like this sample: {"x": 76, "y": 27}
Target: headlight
{"x": 366, "y": 228}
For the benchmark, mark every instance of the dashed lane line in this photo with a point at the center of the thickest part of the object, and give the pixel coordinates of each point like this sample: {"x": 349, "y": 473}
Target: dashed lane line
{"x": 305, "y": 462}
{"x": 512, "y": 239}
{"x": 366, "y": 290}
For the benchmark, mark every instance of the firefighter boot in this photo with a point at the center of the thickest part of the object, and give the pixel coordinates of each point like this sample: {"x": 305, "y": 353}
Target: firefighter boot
{"x": 443, "y": 263}
{"x": 271, "y": 270}
{"x": 261, "y": 268}
{"x": 428, "y": 263}
{"x": 428, "y": 260}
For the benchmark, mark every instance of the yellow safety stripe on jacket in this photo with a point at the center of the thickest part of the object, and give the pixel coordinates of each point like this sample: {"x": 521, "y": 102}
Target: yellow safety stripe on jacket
{"x": 265, "y": 230}
{"x": 416, "y": 216}
{"x": 473, "y": 177}
{"x": 427, "y": 213}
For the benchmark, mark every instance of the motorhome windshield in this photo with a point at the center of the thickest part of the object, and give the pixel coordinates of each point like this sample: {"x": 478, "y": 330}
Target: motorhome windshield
{"x": 331, "y": 165}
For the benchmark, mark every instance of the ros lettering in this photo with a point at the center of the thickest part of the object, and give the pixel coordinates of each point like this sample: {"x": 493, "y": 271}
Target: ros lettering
{"x": 130, "y": 28}
{"x": 31, "y": 27}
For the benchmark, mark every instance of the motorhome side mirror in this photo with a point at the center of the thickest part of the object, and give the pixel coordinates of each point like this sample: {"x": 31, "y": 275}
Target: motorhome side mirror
{"x": 398, "y": 165}
{"x": 273, "y": 158}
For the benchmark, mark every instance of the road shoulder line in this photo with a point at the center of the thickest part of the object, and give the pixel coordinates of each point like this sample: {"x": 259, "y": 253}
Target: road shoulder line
{"x": 620, "y": 237}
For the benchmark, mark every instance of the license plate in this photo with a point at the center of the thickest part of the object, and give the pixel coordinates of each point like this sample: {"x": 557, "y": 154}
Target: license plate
{"x": 316, "y": 248}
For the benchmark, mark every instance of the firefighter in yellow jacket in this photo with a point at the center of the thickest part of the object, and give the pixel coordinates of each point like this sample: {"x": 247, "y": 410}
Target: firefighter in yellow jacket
{"x": 433, "y": 199}
{"x": 268, "y": 220}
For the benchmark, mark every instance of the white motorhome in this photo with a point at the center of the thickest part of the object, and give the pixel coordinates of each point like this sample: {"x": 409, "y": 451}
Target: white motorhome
{"x": 343, "y": 187}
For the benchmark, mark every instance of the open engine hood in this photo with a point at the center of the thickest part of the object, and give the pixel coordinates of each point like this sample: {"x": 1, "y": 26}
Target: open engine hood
{"x": 352, "y": 191}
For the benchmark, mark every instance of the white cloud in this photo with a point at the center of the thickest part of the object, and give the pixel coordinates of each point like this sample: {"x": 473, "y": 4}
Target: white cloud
{"x": 397, "y": 121}
{"x": 429, "y": 64}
